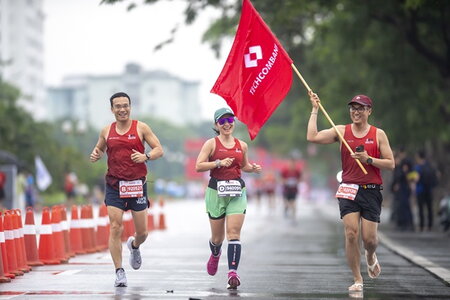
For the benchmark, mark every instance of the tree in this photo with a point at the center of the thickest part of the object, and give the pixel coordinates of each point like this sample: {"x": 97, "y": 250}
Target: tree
{"x": 26, "y": 138}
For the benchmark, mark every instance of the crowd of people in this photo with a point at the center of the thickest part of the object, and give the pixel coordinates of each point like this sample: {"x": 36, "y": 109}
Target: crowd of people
{"x": 413, "y": 184}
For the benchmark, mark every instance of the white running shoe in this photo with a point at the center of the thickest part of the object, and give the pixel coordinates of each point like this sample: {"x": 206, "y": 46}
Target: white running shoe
{"x": 135, "y": 254}
{"x": 121, "y": 278}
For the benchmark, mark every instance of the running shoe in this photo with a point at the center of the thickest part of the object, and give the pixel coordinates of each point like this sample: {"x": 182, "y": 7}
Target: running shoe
{"x": 135, "y": 254}
{"x": 233, "y": 280}
{"x": 213, "y": 264}
{"x": 121, "y": 278}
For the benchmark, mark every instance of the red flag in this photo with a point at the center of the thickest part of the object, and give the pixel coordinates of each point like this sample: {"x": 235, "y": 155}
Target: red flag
{"x": 257, "y": 74}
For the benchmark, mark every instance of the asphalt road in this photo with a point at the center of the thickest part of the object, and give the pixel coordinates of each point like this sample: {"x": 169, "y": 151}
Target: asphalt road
{"x": 281, "y": 259}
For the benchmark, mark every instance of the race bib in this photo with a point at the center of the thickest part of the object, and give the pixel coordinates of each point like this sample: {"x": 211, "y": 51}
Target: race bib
{"x": 347, "y": 191}
{"x": 231, "y": 188}
{"x": 131, "y": 189}
{"x": 292, "y": 182}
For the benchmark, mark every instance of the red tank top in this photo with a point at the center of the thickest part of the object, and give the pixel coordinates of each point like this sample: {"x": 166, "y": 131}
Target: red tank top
{"x": 233, "y": 171}
{"x": 119, "y": 150}
{"x": 351, "y": 172}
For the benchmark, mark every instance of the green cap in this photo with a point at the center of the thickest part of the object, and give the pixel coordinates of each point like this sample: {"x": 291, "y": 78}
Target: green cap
{"x": 221, "y": 112}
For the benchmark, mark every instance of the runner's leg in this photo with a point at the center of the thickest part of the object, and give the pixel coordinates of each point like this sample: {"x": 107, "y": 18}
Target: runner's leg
{"x": 140, "y": 224}
{"x": 115, "y": 236}
{"x": 352, "y": 247}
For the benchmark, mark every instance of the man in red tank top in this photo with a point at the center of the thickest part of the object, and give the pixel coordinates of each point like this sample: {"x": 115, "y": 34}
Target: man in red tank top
{"x": 290, "y": 176}
{"x": 359, "y": 194}
{"x": 126, "y": 187}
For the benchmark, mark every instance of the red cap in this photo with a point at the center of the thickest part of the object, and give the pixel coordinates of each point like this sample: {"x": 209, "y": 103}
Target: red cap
{"x": 361, "y": 99}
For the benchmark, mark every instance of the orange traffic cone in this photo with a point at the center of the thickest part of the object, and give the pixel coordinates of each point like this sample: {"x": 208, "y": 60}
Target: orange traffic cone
{"x": 29, "y": 236}
{"x": 11, "y": 252}
{"x": 102, "y": 228}
{"x": 3, "y": 270}
{"x": 150, "y": 219}
{"x": 58, "y": 238}
{"x": 3, "y": 278}
{"x": 75, "y": 232}
{"x": 47, "y": 253}
{"x": 20, "y": 243}
{"x": 92, "y": 228}
{"x": 65, "y": 230}
{"x": 162, "y": 218}
{"x": 86, "y": 225}
{"x": 3, "y": 250}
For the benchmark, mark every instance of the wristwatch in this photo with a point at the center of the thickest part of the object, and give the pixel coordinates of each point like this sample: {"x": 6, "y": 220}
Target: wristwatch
{"x": 217, "y": 161}
{"x": 148, "y": 156}
{"x": 369, "y": 161}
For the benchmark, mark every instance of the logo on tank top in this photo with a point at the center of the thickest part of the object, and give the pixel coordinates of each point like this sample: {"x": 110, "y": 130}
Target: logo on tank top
{"x": 222, "y": 150}
{"x": 369, "y": 141}
{"x": 113, "y": 138}
{"x": 131, "y": 137}
{"x": 238, "y": 150}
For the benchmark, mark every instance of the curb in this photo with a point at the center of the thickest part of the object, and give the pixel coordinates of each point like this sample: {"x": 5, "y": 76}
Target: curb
{"x": 439, "y": 272}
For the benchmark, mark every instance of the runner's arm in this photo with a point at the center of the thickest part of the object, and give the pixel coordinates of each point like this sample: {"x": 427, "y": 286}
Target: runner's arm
{"x": 326, "y": 136}
{"x": 100, "y": 147}
{"x": 152, "y": 140}
{"x": 386, "y": 160}
{"x": 246, "y": 165}
{"x": 203, "y": 164}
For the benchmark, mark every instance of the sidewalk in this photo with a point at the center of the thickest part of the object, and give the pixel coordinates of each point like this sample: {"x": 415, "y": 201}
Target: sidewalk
{"x": 430, "y": 250}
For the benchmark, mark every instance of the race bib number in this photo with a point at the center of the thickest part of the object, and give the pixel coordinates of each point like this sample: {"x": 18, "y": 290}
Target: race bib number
{"x": 131, "y": 189}
{"x": 347, "y": 191}
{"x": 231, "y": 188}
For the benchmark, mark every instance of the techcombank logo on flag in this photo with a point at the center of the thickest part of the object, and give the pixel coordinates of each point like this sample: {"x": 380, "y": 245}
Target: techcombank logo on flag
{"x": 252, "y": 57}
{"x": 250, "y": 62}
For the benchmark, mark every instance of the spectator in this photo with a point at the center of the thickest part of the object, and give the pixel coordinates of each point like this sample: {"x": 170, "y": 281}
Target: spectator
{"x": 30, "y": 193}
{"x": 399, "y": 156}
{"x": 402, "y": 187}
{"x": 70, "y": 183}
{"x": 427, "y": 180}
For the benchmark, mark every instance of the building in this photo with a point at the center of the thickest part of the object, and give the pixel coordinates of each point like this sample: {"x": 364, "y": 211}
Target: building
{"x": 153, "y": 93}
{"x": 21, "y": 51}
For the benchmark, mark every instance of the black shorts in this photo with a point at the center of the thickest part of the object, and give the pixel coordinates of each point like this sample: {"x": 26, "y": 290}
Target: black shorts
{"x": 70, "y": 194}
{"x": 290, "y": 194}
{"x": 112, "y": 198}
{"x": 367, "y": 203}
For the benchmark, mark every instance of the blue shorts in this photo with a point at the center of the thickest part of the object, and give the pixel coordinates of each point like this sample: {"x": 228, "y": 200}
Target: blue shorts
{"x": 112, "y": 198}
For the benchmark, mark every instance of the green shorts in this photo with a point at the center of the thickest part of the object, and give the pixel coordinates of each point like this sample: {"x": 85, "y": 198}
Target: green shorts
{"x": 219, "y": 207}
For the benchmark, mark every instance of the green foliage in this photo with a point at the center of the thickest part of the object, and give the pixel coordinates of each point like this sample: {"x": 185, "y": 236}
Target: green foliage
{"x": 26, "y": 138}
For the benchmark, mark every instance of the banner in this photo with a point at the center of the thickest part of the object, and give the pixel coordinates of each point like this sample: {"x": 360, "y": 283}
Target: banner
{"x": 257, "y": 74}
{"x": 43, "y": 177}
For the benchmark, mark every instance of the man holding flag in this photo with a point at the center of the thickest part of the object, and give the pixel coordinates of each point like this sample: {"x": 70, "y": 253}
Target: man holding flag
{"x": 359, "y": 194}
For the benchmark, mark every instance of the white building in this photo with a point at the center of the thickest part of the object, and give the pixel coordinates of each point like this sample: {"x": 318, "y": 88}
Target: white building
{"x": 21, "y": 51}
{"x": 153, "y": 93}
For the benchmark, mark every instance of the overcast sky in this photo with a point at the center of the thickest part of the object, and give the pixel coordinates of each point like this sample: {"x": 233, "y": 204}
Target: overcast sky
{"x": 83, "y": 37}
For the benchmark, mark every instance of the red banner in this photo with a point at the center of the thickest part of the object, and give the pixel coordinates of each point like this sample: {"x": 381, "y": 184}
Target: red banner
{"x": 257, "y": 74}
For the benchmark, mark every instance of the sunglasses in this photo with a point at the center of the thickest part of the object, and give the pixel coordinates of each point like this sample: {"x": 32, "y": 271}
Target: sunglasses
{"x": 222, "y": 121}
